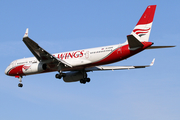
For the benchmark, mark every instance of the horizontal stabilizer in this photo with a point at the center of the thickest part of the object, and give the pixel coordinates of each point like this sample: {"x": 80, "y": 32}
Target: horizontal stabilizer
{"x": 156, "y": 47}
{"x": 134, "y": 43}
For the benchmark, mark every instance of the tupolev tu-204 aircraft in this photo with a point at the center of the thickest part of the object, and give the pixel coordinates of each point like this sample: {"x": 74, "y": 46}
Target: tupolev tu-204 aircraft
{"x": 73, "y": 66}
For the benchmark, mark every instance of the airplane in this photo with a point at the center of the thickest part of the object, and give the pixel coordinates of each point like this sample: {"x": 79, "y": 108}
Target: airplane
{"x": 73, "y": 66}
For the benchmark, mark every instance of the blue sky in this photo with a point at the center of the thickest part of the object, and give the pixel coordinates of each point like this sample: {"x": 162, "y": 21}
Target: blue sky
{"x": 142, "y": 94}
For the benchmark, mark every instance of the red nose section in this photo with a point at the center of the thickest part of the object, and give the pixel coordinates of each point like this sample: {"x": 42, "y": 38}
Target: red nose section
{"x": 16, "y": 71}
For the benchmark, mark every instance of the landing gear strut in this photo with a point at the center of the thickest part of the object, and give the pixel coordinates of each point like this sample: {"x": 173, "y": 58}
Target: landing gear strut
{"x": 85, "y": 78}
{"x": 20, "y": 81}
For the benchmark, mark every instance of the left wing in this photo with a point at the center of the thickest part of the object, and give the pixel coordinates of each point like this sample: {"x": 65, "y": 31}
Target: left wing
{"x": 96, "y": 68}
{"x": 41, "y": 54}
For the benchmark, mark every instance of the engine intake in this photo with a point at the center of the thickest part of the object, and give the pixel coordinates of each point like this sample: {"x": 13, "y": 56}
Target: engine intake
{"x": 34, "y": 68}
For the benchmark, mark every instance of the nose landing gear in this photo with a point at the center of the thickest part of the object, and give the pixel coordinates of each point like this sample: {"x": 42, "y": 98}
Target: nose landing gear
{"x": 20, "y": 81}
{"x": 20, "y": 85}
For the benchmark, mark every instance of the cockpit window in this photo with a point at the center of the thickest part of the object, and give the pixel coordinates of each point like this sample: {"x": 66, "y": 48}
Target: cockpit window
{"x": 21, "y": 63}
{"x": 11, "y": 64}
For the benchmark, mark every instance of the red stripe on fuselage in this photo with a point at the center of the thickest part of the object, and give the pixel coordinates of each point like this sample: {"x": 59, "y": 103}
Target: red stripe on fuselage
{"x": 121, "y": 54}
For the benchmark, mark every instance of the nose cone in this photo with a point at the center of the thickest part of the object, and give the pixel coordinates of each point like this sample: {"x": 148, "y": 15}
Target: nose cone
{"x": 6, "y": 71}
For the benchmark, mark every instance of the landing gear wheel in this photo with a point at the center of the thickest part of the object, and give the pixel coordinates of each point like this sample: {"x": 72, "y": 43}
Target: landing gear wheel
{"x": 20, "y": 85}
{"x": 83, "y": 81}
{"x": 58, "y": 76}
{"x": 20, "y": 81}
{"x": 88, "y": 79}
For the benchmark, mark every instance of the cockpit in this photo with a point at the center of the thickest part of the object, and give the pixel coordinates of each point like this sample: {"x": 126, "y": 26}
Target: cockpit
{"x": 11, "y": 65}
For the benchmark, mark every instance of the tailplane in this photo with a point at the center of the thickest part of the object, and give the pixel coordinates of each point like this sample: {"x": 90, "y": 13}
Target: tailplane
{"x": 156, "y": 47}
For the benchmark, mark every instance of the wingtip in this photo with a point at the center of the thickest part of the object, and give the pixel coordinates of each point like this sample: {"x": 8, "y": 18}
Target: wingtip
{"x": 26, "y": 33}
{"x": 152, "y": 63}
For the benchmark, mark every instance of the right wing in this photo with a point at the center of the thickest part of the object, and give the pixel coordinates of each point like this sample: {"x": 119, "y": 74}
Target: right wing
{"x": 97, "y": 68}
{"x": 41, "y": 54}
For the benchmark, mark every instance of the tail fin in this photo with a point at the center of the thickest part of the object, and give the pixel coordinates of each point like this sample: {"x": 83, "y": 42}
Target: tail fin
{"x": 143, "y": 27}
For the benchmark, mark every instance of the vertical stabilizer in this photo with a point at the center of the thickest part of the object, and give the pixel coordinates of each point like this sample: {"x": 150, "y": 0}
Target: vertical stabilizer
{"x": 143, "y": 27}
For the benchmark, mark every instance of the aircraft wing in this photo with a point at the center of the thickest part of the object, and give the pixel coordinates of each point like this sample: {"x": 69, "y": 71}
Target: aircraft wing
{"x": 96, "y": 68}
{"x": 41, "y": 54}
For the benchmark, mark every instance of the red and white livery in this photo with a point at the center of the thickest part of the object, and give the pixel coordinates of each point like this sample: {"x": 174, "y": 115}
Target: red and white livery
{"x": 74, "y": 65}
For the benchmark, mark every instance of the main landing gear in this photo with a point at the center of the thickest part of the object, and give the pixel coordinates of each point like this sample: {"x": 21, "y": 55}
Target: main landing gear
{"x": 85, "y": 78}
{"x": 83, "y": 81}
{"x": 60, "y": 75}
{"x": 20, "y": 81}
{"x": 74, "y": 76}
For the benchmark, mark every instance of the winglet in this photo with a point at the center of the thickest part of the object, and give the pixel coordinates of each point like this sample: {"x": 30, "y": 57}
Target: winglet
{"x": 26, "y": 33}
{"x": 152, "y": 63}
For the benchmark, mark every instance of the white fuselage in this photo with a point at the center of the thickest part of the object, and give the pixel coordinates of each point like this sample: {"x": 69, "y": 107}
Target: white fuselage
{"x": 75, "y": 58}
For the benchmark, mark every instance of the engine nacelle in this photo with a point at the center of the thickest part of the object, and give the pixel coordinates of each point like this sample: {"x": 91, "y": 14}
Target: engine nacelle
{"x": 34, "y": 68}
{"x": 73, "y": 76}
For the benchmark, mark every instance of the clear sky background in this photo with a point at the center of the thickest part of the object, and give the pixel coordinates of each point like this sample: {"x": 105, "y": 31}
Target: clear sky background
{"x": 64, "y": 25}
